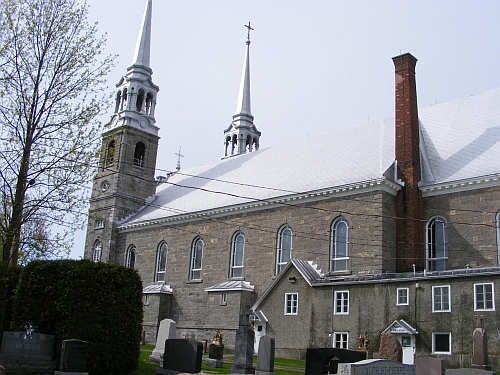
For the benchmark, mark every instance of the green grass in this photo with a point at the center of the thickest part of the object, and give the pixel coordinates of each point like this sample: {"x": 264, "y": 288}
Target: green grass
{"x": 289, "y": 365}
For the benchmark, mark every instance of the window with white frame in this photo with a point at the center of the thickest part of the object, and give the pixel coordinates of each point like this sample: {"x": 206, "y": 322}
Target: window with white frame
{"x": 342, "y": 302}
{"x": 130, "y": 260}
{"x": 284, "y": 251}
{"x": 484, "y": 297}
{"x": 196, "y": 259}
{"x": 441, "y": 298}
{"x": 237, "y": 255}
{"x": 291, "y": 303}
{"x": 223, "y": 299}
{"x": 441, "y": 342}
{"x": 403, "y": 295}
{"x": 339, "y": 247}
{"x": 437, "y": 244}
{"x": 97, "y": 251}
{"x": 340, "y": 340}
{"x": 99, "y": 224}
{"x": 161, "y": 261}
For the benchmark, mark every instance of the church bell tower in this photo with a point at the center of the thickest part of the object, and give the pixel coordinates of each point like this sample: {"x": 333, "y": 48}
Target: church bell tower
{"x": 126, "y": 172}
{"x": 242, "y": 135}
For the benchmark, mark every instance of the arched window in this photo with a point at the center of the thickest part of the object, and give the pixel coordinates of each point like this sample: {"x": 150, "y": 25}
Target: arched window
{"x": 97, "y": 251}
{"x": 139, "y": 152}
{"x": 234, "y": 143}
{"x": 284, "y": 251}
{"x": 118, "y": 101}
{"x": 124, "y": 99}
{"x": 140, "y": 101}
{"x": 110, "y": 152}
{"x": 237, "y": 255}
{"x": 228, "y": 141}
{"x": 255, "y": 144}
{"x": 196, "y": 259}
{"x": 437, "y": 244}
{"x": 249, "y": 143}
{"x": 149, "y": 103}
{"x": 130, "y": 261}
{"x": 161, "y": 261}
{"x": 339, "y": 248}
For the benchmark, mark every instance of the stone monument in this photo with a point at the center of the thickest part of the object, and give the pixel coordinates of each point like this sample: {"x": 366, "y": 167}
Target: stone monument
{"x": 215, "y": 352}
{"x": 375, "y": 366}
{"x": 480, "y": 346}
{"x": 167, "y": 330}
{"x": 73, "y": 358}
{"x": 243, "y": 348}
{"x": 27, "y": 351}
{"x": 265, "y": 357}
{"x": 390, "y": 348}
{"x": 181, "y": 356}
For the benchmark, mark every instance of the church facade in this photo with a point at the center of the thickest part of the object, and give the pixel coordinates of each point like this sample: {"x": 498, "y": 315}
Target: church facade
{"x": 323, "y": 247}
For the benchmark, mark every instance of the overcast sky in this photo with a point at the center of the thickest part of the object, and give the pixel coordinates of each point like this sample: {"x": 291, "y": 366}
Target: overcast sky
{"x": 316, "y": 66}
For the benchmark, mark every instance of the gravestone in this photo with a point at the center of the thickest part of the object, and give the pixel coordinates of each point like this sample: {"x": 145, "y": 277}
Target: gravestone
{"x": 390, "y": 348}
{"x": 265, "y": 357}
{"x": 27, "y": 351}
{"x": 468, "y": 371}
{"x": 73, "y": 358}
{"x": 215, "y": 352}
{"x": 429, "y": 366}
{"x": 243, "y": 351}
{"x": 324, "y": 360}
{"x": 2, "y": 370}
{"x": 167, "y": 330}
{"x": 181, "y": 355}
{"x": 480, "y": 346}
{"x": 375, "y": 367}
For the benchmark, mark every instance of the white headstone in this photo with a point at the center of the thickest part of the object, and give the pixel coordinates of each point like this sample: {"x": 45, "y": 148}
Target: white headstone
{"x": 166, "y": 331}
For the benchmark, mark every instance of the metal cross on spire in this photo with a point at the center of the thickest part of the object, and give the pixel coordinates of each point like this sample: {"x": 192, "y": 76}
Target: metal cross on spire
{"x": 179, "y": 159}
{"x": 249, "y": 29}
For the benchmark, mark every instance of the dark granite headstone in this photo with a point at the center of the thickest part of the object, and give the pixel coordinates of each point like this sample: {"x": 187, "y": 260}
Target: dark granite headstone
{"x": 265, "y": 358}
{"x": 183, "y": 355}
{"x": 243, "y": 351}
{"x": 479, "y": 346}
{"x": 73, "y": 356}
{"x": 35, "y": 346}
{"x": 215, "y": 353}
{"x": 429, "y": 366}
{"x": 318, "y": 361}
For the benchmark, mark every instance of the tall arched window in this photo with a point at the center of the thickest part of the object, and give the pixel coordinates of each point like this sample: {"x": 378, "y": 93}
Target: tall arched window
{"x": 437, "y": 244}
{"x": 237, "y": 255}
{"x": 110, "y": 152}
{"x": 284, "y": 250}
{"x": 118, "y": 101}
{"x": 97, "y": 251}
{"x": 140, "y": 101}
{"x": 339, "y": 248}
{"x": 161, "y": 261}
{"x": 139, "y": 152}
{"x": 130, "y": 261}
{"x": 196, "y": 259}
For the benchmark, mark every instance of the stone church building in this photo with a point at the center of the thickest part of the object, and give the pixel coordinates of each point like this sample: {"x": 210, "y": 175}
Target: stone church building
{"x": 401, "y": 238}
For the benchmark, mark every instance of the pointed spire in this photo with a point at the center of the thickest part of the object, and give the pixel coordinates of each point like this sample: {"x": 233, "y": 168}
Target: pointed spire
{"x": 243, "y": 104}
{"x": 143, "y": 46}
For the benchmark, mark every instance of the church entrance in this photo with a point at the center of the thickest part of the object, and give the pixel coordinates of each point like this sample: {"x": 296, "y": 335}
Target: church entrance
{"x": 260, "y": 330}
{"x": 406, "y": 337}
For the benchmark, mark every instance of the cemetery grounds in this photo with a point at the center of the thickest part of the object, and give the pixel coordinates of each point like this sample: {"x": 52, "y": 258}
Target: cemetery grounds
{"x": 281, "y": 366}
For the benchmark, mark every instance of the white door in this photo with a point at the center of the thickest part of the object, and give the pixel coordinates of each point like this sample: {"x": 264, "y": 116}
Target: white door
{"x": 260, "y": 330}
{"x": 408, "y": 346}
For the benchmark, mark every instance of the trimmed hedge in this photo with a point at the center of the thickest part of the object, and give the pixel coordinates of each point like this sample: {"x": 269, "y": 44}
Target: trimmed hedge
{"x": 100, "y": 303}
{"x": 12, "y": 279}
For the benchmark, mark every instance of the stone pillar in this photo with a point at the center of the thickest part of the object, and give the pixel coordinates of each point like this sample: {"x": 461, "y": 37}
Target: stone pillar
{"x": 243, "y": 351}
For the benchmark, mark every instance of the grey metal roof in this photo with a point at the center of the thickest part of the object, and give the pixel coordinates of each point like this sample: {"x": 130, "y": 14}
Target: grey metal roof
{"x": 401, "y": 325}
{"x": 233, "y": 285}
{"x": 157, "y": 289}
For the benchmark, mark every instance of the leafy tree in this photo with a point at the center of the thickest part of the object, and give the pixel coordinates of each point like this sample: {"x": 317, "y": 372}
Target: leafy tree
{"x": 51, "y": 96}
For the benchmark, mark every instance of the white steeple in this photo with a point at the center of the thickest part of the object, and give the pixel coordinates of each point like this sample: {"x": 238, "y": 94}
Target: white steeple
{"x": 143, "y": 46}
{"x": 136, "y": 93}
{"x": 242, "y": 135}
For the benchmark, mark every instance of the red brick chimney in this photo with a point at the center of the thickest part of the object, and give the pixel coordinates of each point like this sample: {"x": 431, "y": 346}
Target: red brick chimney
{"x": 410, "y": 249}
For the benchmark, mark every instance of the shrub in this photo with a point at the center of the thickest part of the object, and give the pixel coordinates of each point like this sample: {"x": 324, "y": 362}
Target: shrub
{"x": 100, "y": 303}
{"x": 12, "y": 274}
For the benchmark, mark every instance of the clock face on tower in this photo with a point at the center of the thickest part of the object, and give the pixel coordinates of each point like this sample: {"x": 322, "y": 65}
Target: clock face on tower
{"x": 104, "y": 185}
